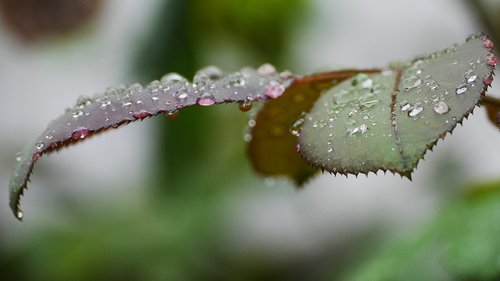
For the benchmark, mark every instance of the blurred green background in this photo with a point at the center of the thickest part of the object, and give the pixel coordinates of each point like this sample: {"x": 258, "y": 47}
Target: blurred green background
{"x": 177, "y": 200}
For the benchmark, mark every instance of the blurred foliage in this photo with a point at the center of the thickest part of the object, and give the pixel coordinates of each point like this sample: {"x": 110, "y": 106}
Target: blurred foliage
{"x": 176, "y": 44}
{"x": 34, "y": 20}
{"x": 462, "y": 243}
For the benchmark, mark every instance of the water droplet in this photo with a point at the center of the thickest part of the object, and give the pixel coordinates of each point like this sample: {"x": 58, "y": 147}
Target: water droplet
{"x": 461, "y": 89}
{"x": 36, "y": 156}
{"x": 19, "y": 158}
{"x": 126, "y": 104}
{"x": 404, "y": 105}
{"x": 296, "y": 127}
{"x": 411, "y": 82}
{"x": 245, "y": 106}
{"x": 207, "y": 73}
{"x": 488, "y": 80}
{"x": 80, "y": 133}
{"x": 49, "y": 136}
{"x": 173, "y": 78}
{"x": 19, "y": 215}
{"x": 415, "y": 111}
{"x": 441, "y": 108}
{"x": 367, "y": 84}
{"x": 83, "y": 101}
{"x": 135, "y": 88}
{"x": 487, "y": 43}
{"x": 266, "y": 69}
{"x": 363, "y": 128}
{"x": 77, "y": 113}
{"x": 274, "y": 90}
{"x": 173, "y": 114}
{"x": 285, "y": 75}
{"x": 329, "y": 150}
{"x": 206, "y": 99}
{"x": 105, "y": 103}
{"x": 251, "y": 123}
{"x": 154, "y": 98}
{"x": 182, "y": 96}
{"x": 236, "y": 80}
{"x": 491, "y": 60}
{"x": 472, "y": 78}
{"x": 39, "y": 145}
{"x": 141, "y": 114}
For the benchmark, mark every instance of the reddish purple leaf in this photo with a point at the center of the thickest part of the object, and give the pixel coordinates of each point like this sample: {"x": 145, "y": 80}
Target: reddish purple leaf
{"x": 119, "y": 106}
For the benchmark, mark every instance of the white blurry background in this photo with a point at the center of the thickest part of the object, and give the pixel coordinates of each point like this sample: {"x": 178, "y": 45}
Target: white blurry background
{"x": 38, "y": 83}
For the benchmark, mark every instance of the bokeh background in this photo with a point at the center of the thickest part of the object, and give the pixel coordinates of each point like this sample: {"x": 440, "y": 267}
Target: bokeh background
{"x": 177, "y": 199}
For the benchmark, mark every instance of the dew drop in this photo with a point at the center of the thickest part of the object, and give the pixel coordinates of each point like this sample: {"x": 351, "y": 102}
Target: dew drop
{"x": 80, "y": 133}
{"x": 207, "y": 73}
{"x": 36, "y": 156}
{"x": 491, "y": 60}
{"x": 39, "y": 145}
{"x": 415, "y": 111}
{"x": 245, "y": 106}
{"x": 266, "y": 69}
{"x": 274, "y": 90}
{"x": 182, "y": 96}
{"x": 487, "y": 43}
{"x": 441, "y": 108}
{"x": 83, "y": 101}
{"x": 206, "y": 99}
{"x": 296, "y": 127}
{"x": 141, "y": 114}
{"x": 19, "y": 215}
{"x": 173, "y": 114}
{"x": 461, "y": 89}
{"x": 363, "y": 128}
{"x": 472, "y": 78}
{"x": 172, "y": 78}
{"x": 404, "y": 105}
{"x": 488, "y": 80}
{"x": 77, "y": 114}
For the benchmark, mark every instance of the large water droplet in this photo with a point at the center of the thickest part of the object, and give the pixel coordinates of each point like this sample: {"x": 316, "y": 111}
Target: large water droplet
{"x": 415, "y": 111}
{"x": 206, "y": 99}
{"x": 441, "y": 107}
{"x": 411, "y": 82}
{"x": 80, "y": 133}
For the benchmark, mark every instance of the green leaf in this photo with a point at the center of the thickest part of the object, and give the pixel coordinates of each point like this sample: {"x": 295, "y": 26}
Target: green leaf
{"x": 461, "y": 243}
{"x": 388, "y": 121}
{"x": 274, "y": 141}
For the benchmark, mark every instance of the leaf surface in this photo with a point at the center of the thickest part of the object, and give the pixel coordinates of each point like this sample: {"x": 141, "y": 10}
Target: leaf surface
{"x": 119, "y": 106}
{"x": 273, "y": 147}
{"x": 387, "y": 121}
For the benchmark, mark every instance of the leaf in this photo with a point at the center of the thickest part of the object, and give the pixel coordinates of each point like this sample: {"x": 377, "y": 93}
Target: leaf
{"x": 492, "y": 106}
{"x": 273, "y": 145}
{"x": 119, "y": 106}
{"x": 388, "y": 121}
{"x": 462, "y": 242}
